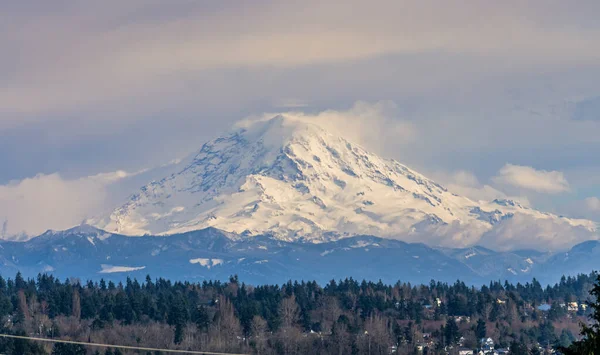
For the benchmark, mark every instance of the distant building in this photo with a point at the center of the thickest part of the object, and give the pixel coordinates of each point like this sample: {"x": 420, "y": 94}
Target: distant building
{"x": 572, "y": 307}
{"x": 487, "y": 344}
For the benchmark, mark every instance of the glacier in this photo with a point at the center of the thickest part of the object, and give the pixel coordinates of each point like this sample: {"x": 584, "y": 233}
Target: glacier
{"x": 291, "y": 179}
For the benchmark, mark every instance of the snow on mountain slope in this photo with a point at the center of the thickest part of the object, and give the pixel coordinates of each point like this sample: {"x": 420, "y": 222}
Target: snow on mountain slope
{"x": 291, "y": 178}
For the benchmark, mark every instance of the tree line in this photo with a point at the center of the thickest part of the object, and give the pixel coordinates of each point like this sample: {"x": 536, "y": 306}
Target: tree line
{"x": 342, "y": 317}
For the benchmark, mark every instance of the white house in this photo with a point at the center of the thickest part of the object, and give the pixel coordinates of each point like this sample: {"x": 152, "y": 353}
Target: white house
{"x": 487, "y": 344}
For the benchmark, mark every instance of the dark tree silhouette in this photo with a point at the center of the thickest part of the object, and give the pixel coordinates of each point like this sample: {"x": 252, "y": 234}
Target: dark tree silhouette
{"x": 590, "y": 343}
{"x": 344, "y": 316}
{"x": 481, "y": 330}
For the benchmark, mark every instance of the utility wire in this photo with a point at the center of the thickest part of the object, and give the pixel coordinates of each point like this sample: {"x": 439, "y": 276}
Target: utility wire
{"x": 114, "y": 346}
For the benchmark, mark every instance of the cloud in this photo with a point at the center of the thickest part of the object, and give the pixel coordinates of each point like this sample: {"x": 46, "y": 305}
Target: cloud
{"x": 526, "y": 177}
{"x": 465, "y": 183}
{"x": 78, "y": 82}
{"x": 50, "y": 201}
{"x": 372, "y": 125}
{"x": 522, "y": 231}
{"x": 34, "y": 205}
{"x": 586, "y": 208}
{"x": 525, "y": 232}
{"x": 89, "y": 56}
{"x": 593, "y": 204}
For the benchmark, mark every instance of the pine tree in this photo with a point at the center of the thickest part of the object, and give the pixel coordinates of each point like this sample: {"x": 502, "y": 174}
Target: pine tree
{"x": 451, "y": 332}
{"x": 178, "y": 317}
{"x": 178, "y": 336}
{"x": 19, "y": 281}
{"x": 201, "y": 319}
{"x": 481, "y": 329}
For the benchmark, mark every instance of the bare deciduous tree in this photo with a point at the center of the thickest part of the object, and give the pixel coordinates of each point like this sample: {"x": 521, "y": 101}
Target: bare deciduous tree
{"x": 288, "y": 311}
{"x": 76, "y": 309}
{"x": 258, "y": 329}
{"x": 330, "y": 314}
{"x": 23, "y": 304}
{"x": 228, "y": 325}
{"x": 378, "y": 337}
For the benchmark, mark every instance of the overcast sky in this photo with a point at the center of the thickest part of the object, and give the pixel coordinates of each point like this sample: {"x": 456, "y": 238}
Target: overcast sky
{"x": 491, "y": 98}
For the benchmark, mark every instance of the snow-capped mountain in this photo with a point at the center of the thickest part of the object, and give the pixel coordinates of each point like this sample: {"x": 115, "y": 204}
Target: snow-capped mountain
{"x": 292, "y": 179}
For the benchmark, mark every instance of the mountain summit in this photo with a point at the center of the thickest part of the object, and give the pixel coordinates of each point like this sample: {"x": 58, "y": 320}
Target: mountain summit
{"x": 290, "y": 178}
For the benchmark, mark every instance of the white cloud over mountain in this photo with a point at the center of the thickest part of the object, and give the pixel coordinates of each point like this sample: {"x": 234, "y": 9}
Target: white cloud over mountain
{"x": 526, "y": 177}
{"x": 525, "y": 232}
{"x": 373, "y": 125}
{"x": 52, "y": 202}
{"x": 43, "y": 202}
{"x": 93, "y": 88}
{"x": 467, "y": 87}
{"x": 465, "y": 183}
